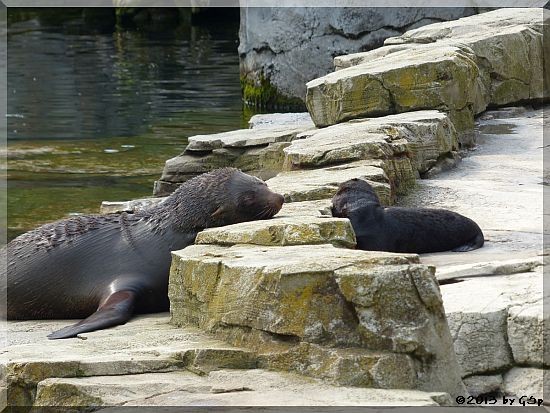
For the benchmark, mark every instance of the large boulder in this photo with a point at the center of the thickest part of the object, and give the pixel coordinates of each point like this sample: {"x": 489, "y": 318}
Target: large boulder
{"x": 460, "y": 67}
{"x": 282, "y": 48}
{"x": 351, "y": 317}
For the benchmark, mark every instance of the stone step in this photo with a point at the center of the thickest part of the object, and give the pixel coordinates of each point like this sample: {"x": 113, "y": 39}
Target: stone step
{"x": 295, "y": 120}
{"x": 475, "y": 269}
{"x": 146, "y": 344}
{"x": 424, "y": 136}
{"x": 295, "y": 304}
{"x": 460, "y": 67}
{"x": 262, "y": 161}
{"x": 258, "y": 150}
{"x": 298, "y": 230}
{"x": 220, "y": 388}
{"x": 314, "y": 184}
{"x": 243, "y": 138}
{"x": 317, "y": 208}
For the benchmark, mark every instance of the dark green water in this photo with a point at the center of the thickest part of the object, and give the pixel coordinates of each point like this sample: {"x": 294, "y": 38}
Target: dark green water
{"x": 93, "y": 117}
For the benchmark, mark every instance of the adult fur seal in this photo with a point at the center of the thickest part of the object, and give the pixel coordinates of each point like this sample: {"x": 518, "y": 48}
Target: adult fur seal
{"x": 396, "y": 229}
{"x": 111, "y": 266}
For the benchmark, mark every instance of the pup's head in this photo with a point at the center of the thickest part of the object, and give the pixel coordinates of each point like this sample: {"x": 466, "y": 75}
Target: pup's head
{"x": 352, "y": 194}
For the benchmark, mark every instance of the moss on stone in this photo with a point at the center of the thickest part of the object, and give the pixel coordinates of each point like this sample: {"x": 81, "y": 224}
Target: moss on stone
{"x": 64, "y": 394}
{"x": 262, "y": 94}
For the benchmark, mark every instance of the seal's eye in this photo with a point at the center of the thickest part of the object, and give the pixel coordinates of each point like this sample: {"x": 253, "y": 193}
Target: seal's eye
{"x": 247, "y": 198}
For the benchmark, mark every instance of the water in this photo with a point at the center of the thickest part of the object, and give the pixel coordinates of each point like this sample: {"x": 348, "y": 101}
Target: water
{"x": 94, "y": 117}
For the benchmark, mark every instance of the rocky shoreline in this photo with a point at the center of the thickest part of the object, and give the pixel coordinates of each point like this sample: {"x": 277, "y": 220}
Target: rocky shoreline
{"x": 289, "y": 301}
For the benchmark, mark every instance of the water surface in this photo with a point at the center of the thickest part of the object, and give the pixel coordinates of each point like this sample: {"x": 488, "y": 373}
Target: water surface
{"x": 93, "y": 117}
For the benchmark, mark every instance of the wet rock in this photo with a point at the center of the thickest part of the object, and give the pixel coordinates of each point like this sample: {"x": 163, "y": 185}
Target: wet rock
{"x": 460, "y": 67}
{"x": 323, "y": 296}
{"x": 283, "y": 231}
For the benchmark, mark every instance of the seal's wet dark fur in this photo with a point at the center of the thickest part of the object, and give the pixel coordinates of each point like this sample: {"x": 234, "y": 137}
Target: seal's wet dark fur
{"x": 395, "y": 229}
{"x": 112, "y": 266}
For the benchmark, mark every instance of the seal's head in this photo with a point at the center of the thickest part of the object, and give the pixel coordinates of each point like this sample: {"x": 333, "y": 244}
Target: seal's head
{"x": 351, "y": 195}
{"x": 248, "y": 199}
{"x": 221, "y": 197}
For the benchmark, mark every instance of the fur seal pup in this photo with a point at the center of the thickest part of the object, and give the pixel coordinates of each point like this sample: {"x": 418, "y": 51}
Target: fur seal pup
{"x": 112, "y": 266}
{"x": 396, "y": 229}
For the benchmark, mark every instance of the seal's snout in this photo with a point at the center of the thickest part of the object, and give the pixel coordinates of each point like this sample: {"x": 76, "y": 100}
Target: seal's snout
{"x": 278, "y": 201}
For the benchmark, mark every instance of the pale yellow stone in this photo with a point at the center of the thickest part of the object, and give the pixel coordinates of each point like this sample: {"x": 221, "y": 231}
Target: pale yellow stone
{"x": 283, "y": 231}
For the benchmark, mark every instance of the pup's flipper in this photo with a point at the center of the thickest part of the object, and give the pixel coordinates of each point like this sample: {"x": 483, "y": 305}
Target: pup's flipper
{"x": 117, "y": 309}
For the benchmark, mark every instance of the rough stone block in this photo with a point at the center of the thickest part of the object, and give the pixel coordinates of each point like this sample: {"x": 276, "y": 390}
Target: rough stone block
{"x": 313, "y": 184}
{"x": 318, "y": 208}
{"x": 409, "y": 143}
{"x": 323, "y": 296}
{"x": 220, "y": 388}
{"x": 528, "y": 331}
{"x": 419, "y": 78}
{"x": 281, "y": 119}
{"x": 528, "y": 382}
{"x": 262, "y": 161}
{"x": 478, "y": 385}
{"x": 283, "y": 231}
{"x": 489, "y": 317}
{"x": 460, "y": 67}
{"x": 242, "y": 138}
{"x": 480, "y": 341}
{"x": 147, "y": 344}
{"x": 346, "y": 366}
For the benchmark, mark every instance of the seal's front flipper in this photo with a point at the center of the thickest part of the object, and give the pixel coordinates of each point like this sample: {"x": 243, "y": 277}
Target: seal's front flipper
{"x": 117, "y": 309}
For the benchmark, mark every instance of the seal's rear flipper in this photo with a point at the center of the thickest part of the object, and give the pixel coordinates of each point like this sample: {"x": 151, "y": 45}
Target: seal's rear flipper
{"x": 473, "y": 244}
{"x": 117, "y": 309}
